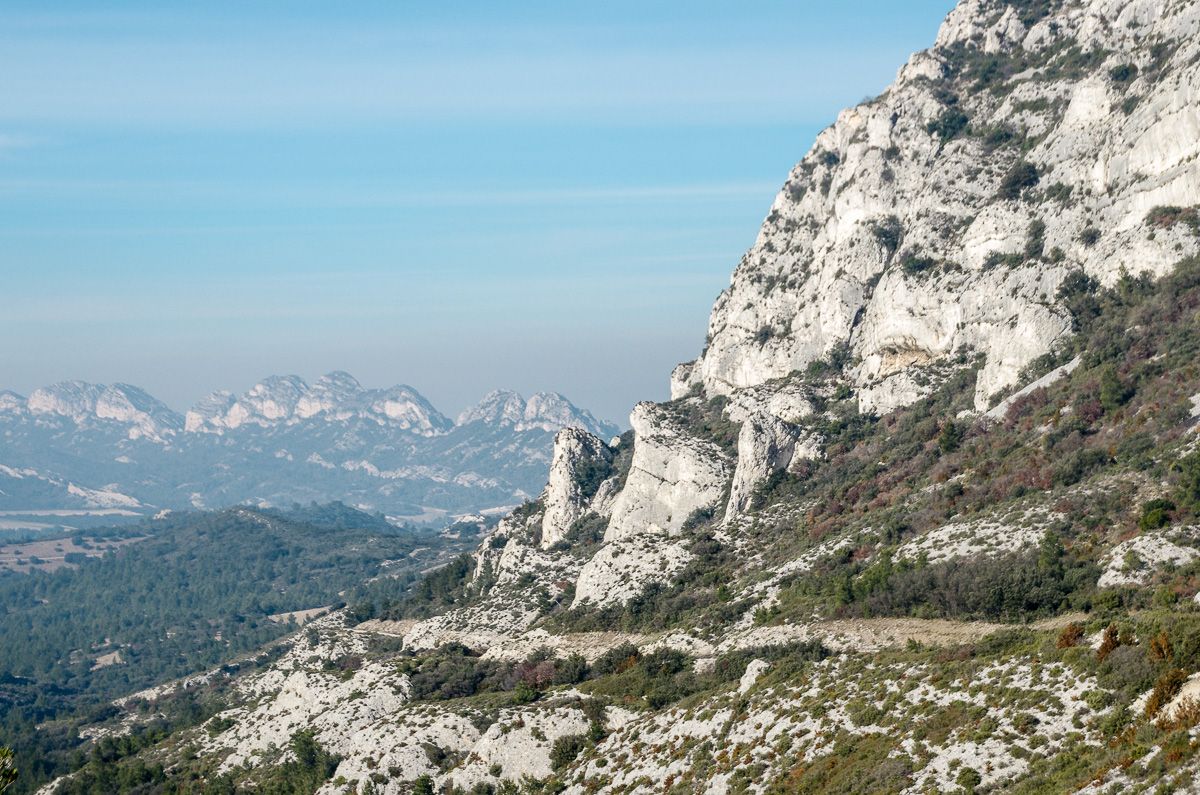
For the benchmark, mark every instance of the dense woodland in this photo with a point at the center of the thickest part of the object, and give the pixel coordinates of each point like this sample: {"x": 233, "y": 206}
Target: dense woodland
{"x": 197, "y": 592}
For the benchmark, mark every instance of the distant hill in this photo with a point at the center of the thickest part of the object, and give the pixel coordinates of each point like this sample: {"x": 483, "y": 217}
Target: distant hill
{"x": 82, "y": 446}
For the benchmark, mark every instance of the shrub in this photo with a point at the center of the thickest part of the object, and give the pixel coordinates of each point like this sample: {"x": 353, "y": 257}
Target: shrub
{"x": 969, "y": 778}
{"x": 1077, "y": 466}
{"x": 1166, "y": 217}
{"x": 1156, "y": 514}
{"x": 1070, "y": 636}
{"x": 888, "y": 233}
{"x": 998, "y": 136}
{"x": 590, "y": 474}
{"x": 1185, "y": 715}
{"x": 1059, "y": 192}
{"x": 950, "y": 437}
{"x": 1114, "y": 392}
{"x": 1022, "y": 175}
{"x": 1165, "y": 688}
{"x": 1009, "y": 587}
{"x": 1160, "y": 647}
{"x": 1188, "y": 490}
{"x": 1035, "y": 240}
{"x": 949, "y": 125}
{"x": 914, "y": 263}
{"x": 1090, "y": 236}
{"x": 617, "y": 659}
{"x": 566, "y": 749}
{"x": 1125, "y": 73}
{"x": 1109, "y": 643}
{"x": 572, "y": 670}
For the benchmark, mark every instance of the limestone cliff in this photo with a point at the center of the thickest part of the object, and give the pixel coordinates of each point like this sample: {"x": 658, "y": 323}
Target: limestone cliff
{"x": 1032, "y": 140}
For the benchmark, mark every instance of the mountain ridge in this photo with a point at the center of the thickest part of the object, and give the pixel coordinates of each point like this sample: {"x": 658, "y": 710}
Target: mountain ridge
{"x": 289, "y": 398}
{"x": 281, "y": 441}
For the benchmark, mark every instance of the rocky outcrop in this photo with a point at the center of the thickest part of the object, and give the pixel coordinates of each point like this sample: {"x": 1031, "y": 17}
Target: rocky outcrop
{"x": 579, "y": 466}
{"x": 766, "y": 445}
{"x": 518, "y": 749}
{"x": 621, "y": 569}
{"x": 1134, "y": 561}
{"x": 674, "y": 474}
{"x": 940, "y": 217}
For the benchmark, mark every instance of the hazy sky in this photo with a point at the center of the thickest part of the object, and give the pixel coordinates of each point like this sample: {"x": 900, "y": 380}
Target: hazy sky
{"x": 457, "y": 196}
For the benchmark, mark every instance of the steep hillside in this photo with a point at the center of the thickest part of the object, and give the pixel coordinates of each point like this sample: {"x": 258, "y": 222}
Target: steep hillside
{"x": 924, "y": 515}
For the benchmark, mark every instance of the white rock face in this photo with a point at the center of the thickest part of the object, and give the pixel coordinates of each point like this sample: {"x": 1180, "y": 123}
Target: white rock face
{"x": 11, "y": 402}
{"x": 564, "y": 499}
{"x": 520, "y": 748}
{"x": 754, "y": 670}
{"x": 621, "y": 569}
{"x": 766, "y": 445}
{"x": 855, "y": 248}
{"x": 210, "y": 412}
{"x": 673, "y": 475}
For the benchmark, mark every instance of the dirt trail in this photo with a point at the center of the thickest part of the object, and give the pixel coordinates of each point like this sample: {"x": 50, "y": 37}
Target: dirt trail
{"x": 879, "y": 633}
{"x": 842, "y": 635}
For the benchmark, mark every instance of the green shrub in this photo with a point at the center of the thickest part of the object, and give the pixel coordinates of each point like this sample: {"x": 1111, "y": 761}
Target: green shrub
{"x": 888, "y": 233}
{"x": 617, "y": 659}
{"x": 949, "y": 125}
{"x": 1022, "y": 175}
{"x": 1114, "y": 392}
{"x": 1078, "y": 465}
{"x": 1059, "y": 192}
{"x": 1156, "y": 514}
{"x": 1035, "y": 240}
{"x": 914, "y": 263}
{"x": 1123, "y": 74}
{"x": 1188, "y": 490}
{"x": 591, "y": 473}
{"x": 950, "y": 437}
{"x": 566, "y": 749}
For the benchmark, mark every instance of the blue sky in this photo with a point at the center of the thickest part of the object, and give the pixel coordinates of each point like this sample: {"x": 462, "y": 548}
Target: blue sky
{"x": 543, "y": 195}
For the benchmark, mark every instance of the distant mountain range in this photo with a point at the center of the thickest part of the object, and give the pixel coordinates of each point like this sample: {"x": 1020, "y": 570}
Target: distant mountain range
{"x": 77, "y": 445}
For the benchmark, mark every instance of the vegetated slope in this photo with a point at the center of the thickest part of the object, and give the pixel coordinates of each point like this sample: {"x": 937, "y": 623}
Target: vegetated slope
{"x": 924, "y": 516}
{"x": 196, "y": 590}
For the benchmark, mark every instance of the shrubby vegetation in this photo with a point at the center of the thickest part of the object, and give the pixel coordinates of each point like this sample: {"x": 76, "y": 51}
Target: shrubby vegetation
{"x": 624, "y": 675}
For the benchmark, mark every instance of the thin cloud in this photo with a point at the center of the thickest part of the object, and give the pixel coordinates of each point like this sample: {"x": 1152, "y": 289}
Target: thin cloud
{"x": 10, "y": 142}
{"x": 352, "y": 196}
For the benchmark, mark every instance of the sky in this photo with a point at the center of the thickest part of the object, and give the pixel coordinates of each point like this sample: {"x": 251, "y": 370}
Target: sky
{"x": 457, "y": 196}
